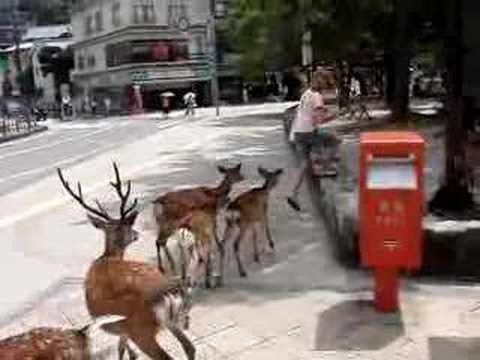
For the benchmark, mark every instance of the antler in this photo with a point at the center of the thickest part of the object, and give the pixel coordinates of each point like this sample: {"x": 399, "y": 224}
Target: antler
{"x": 100, "y": 212}
{"x": 117, "y": 185}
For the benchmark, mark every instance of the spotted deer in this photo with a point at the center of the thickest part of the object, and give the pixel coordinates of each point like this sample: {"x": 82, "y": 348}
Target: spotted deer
{"x": 150, "y": 301}
{"x": 46, "y": 343}
{"x": 175, "y": 205}
{"x": 244, "y": 213}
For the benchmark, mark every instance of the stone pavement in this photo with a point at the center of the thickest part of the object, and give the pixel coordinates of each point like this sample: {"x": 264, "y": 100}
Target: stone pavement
{"x": 299, "y": 303}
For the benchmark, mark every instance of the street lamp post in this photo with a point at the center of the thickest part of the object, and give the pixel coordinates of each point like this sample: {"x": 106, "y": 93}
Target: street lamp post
{"x": 213, "y": 56}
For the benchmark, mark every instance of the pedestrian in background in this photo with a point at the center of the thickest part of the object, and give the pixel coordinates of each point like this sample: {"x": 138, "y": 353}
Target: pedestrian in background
{"x": 108, "y": 103}
{"x": 93, "y": 106}
{"x": 311, "y": 113}
{"x": 190, "y": 102}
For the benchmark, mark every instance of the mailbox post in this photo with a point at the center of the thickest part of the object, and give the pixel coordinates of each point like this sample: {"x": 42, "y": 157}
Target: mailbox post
{"x": 391, "y": 209}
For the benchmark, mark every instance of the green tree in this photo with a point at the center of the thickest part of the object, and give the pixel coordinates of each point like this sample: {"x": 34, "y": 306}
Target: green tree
{"x": 46, "y": 12}
{"x": 265, "y": 34}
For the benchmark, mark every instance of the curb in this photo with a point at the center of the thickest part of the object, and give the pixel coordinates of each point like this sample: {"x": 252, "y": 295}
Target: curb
{"x": 37, "y": 130}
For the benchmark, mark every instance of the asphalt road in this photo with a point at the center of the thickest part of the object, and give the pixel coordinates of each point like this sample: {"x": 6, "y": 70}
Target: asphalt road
{"x": 26, "y": 161}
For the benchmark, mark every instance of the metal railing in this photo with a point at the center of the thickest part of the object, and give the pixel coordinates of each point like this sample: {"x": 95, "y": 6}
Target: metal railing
{"x": 16, "y": 122}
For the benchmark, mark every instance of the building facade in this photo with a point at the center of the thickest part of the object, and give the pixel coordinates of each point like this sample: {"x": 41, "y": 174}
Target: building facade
{"x": 151, "y": 45}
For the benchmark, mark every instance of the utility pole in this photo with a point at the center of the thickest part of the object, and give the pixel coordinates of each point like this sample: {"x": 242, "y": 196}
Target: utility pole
{"x": 16, "y": 38}
{"x": 213, "y": 56}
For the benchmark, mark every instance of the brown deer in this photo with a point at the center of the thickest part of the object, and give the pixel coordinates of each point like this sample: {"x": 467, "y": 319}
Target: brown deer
{"x": 149, "y": 300}
{"x": 171, "y": 207}
{"x": 244, "y": 213}
{"x": 47, "y": 343}
{"x": 196, "y": 257}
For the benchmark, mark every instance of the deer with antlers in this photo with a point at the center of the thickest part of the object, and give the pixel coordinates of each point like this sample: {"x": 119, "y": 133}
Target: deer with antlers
{"x": 202, "y": 204}
{"x": 149, "y": 300}
{"x": 246, "y": 212}
{"x": 53, "y": 343}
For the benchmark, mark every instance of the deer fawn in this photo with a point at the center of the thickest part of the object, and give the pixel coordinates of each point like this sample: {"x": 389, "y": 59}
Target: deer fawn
{"x": 148, "y": 299}
{"x": 171, "y": 207}
{"x": 52, "y": 343}
{"x": 244, "y": 213}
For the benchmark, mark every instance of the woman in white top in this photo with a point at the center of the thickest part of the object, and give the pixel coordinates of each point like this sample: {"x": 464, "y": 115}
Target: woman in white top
{"x": 311, "y": 112}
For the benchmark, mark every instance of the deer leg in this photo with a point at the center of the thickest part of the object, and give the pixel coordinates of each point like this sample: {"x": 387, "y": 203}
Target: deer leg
{"x": 256, "y": 255}
{"x": 119, "y": 328}
{"x": 186, "y": 343}
{"x": 236, "y": 248}
{"x": 268, "y": 233}
{"x": 208, "y": 272}
{"x": 221, "y": 250}
{"x": 123, "y": 346}
{"x": 158, "y": 244}
{"x": 148, "y": 344}
{"x": 171, "y": 261}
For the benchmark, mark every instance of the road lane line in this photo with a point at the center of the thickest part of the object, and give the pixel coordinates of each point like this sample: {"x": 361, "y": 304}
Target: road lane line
{"x": 48, "y": 205}
{"x": 70, "y": 160}
{"x": 54, "y": 144}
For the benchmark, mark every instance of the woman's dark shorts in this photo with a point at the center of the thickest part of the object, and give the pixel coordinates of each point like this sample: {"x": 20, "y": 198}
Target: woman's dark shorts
{"x": 316, "y": 141}
{"x": 304, "y": 143}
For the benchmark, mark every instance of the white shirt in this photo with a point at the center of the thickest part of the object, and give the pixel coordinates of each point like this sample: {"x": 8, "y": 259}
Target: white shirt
{"x": 304, "y": 121}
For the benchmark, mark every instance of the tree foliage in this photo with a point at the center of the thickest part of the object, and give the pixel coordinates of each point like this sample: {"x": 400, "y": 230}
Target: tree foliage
{"x": 46, "y": 12}
{"x": 266, "y": 35}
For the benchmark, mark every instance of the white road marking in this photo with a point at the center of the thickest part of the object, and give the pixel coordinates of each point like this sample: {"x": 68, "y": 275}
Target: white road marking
{"x": 61, "y": 163}
{"x": 64, "y": 162}
{"x": 53, "y": 144}
{"x": 48, "y": 205}
{"x": 11, "y": 144}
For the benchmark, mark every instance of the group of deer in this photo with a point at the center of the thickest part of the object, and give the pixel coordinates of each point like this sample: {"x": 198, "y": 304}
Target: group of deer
{"x": 135, "y": 300}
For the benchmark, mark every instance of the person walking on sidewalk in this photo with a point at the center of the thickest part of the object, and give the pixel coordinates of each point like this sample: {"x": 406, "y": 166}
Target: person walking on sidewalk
{"x": 189, "y": 100}
{"x": 311, "y": 113}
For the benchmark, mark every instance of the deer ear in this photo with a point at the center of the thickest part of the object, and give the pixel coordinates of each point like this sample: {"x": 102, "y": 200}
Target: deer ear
{"x": 262, "y": 171}
{"x": 279, "y": 172}
{"x": 130, "y": 220}
{"x": 221, "y": 169}
{"x": 238, "y": 167}
{"x": 97, "y": 222}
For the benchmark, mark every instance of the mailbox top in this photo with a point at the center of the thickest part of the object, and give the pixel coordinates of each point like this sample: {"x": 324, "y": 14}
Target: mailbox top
{"x": 382, "y": 137}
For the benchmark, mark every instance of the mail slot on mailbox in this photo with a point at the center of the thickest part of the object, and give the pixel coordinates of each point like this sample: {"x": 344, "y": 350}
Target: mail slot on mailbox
{"x": 391, "y": 209}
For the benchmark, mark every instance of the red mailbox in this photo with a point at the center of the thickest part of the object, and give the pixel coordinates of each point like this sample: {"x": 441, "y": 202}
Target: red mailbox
{"x": 391, "y": 209}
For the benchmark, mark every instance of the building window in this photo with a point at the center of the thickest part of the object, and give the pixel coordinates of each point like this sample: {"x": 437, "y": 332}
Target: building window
{"x": 144, "y": 12}
{"x": 99, "y": 21}
{"x": 146, "y": 51}
{"x": 116, "y": 19}
{"x": 81, "y": 62}
{"x": 91, "y": 62}
{"x": 178, "y": 14}
{"x": 88, "y": 25}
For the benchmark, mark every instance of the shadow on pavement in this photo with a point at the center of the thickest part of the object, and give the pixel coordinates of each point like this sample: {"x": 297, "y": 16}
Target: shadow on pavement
{"x": 447, "y": 348}
{"x": 356, "y": 326}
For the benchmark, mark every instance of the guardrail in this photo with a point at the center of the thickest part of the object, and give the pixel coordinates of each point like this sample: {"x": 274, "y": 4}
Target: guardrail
{"x": 17, "y": 124}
